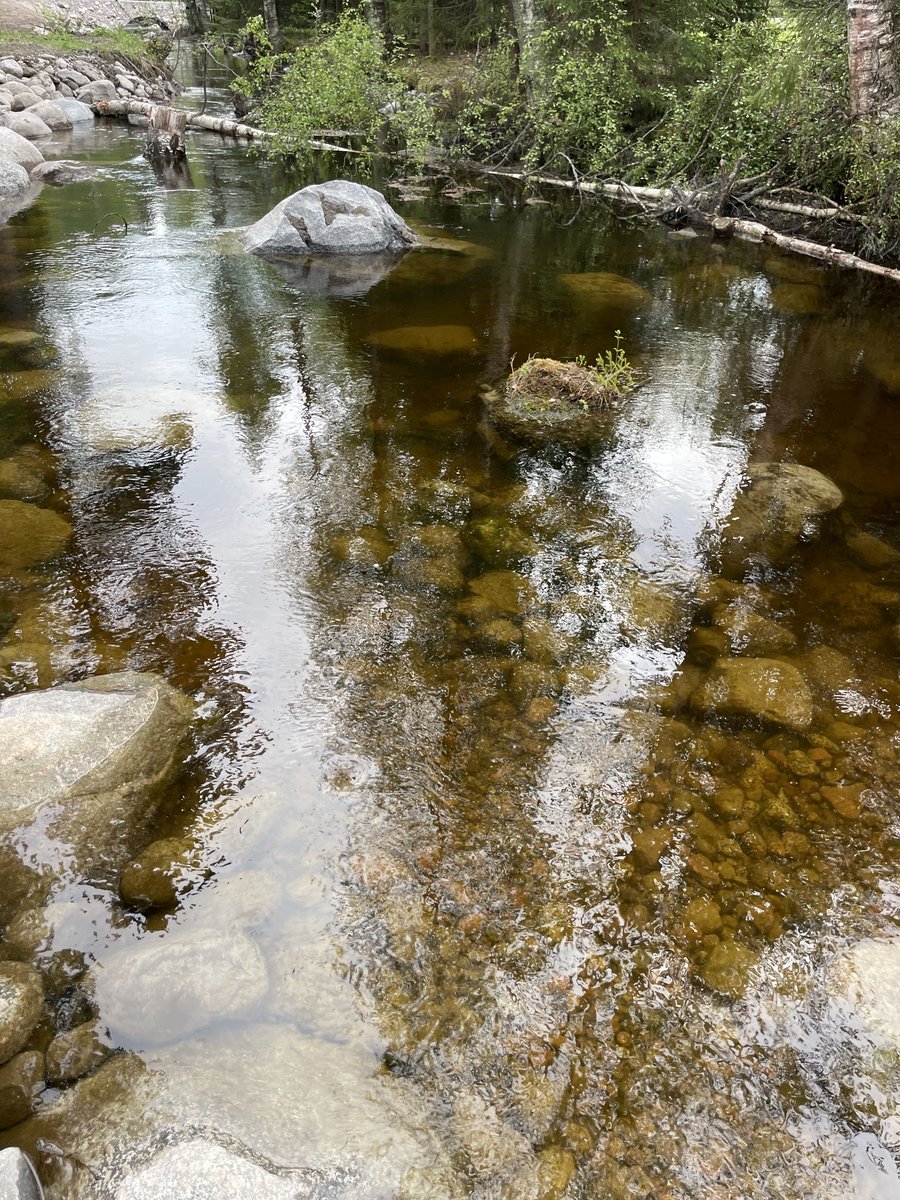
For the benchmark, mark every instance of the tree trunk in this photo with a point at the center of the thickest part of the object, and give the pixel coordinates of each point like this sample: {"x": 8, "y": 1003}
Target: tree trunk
{"x": 525, "y": 24}
{"x": 273, "y": 28}
{"x": 197, "y": 17}
{"x": 377, "y": 13}
{"x": 870, "y": 41}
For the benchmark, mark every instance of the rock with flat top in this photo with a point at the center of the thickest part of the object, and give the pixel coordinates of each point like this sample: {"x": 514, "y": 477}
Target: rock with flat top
{"x": 780, "y": 505}
{"x": 764, "y": 691}
{"x": 81, "y": 769}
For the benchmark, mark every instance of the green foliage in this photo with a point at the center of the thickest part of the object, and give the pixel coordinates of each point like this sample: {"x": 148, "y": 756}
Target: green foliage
{"x": 340, "y": 79}
{"x": 874, "y": 185}
{"x": 612, "y": 371}
{"x": 774, "y": 99}
{"x": 584, "y": 91}
{"x": 481, "y": 110}
{"x": 58, "y": 36}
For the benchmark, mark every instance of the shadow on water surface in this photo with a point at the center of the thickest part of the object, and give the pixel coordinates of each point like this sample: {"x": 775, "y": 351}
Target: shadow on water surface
{"x": 476, "y": 898}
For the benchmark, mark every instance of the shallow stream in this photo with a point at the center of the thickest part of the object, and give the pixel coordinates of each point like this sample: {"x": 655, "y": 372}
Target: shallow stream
{"x": 530, "y": 924}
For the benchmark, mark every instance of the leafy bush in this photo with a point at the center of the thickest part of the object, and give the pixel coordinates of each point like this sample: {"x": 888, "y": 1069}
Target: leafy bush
{"x": 340, "y": 79}
{"x": 585, "y": 92}
{"x": 775, "y": 99}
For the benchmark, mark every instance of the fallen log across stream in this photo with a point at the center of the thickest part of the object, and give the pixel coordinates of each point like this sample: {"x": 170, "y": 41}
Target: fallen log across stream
{"x": 658, "y": 200}
{"x": 141, "y": 108}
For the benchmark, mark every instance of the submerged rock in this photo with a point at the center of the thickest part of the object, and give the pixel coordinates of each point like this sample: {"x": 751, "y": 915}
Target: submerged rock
{"x": 74, "y": 1053}
{"x": 21, "y": 1005}
{"x": 21, "y": 1079}
{"x": 780, "y": 504}
{"x": 762, "y": 690}
{"x": 160, "y": 874}
{"x": 727, "y": 968}
{"x": 195, "y": 1169}
{"x": 604, "y": 289}
{"x": 750, "y": 634}
{"x": 161, "y": 990}
{"x": 29, "y": 535}
{"x": 439, "y": 261}
{"x": 425, "y": 339}
{"x": 871, "y": 970}
{"x": 801, "y": 298}
{"x": 330, "y": 218}
{"x": 85, "y": 761}
{"x": 549, "y": 401}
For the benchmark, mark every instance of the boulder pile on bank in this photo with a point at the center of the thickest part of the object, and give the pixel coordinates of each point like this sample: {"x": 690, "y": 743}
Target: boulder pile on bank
{"x": 43, "y": 94}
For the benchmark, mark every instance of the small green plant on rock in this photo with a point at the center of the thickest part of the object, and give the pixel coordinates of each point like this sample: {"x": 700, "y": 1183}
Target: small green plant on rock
{"x": 542, "y": 383}
{"x": 612, "y": 371}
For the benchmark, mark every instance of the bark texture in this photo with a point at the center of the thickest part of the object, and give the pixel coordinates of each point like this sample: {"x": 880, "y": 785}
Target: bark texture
{"x": 870, "y": 43}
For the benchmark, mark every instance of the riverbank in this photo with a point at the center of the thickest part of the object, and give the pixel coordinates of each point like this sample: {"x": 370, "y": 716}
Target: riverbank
{"x": 43, "y": 94}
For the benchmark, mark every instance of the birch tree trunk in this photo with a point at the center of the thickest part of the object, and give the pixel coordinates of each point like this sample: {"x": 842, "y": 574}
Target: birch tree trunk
{"x": 273, "y": 28}
{"x": 870, "y": 42}
{"x": 526, "y": 25}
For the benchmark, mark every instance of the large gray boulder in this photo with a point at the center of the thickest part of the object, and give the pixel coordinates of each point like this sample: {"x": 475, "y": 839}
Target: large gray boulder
{"x": 14, "y": 180}
{"x": 75, "y": 110}
{"x": 161, "y": 990}
{"x": 27, "y": 124}
{"x": 18, "y": 149}
{"x": 18, "y": 1180}
{"x": 83, "y": 763}
{"x": 52, "y": 114}
{"x": 780, "y": 505}
{"x": 330, "y": 218}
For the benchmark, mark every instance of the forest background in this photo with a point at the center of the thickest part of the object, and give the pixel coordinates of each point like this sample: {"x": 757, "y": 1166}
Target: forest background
{"x": 796, "y": 99}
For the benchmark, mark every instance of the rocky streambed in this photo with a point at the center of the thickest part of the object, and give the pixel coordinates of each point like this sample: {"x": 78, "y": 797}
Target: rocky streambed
{"x": 393, "y": 807}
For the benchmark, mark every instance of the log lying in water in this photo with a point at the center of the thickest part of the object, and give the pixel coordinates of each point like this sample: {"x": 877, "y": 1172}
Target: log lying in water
{"x": 751, "y": 231}
{"x": 122, "y": 108}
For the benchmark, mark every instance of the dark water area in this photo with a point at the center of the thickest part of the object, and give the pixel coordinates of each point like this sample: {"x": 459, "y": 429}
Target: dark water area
{"x": 532, "y": 922}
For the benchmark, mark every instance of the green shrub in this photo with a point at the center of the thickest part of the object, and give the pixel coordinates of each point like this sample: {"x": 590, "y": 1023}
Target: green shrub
{"x": 340, "y": 79}
{"x": 775, "y": 99}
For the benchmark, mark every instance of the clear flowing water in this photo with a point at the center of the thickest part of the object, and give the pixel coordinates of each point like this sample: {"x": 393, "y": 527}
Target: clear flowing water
{"x": 530, "y": 925}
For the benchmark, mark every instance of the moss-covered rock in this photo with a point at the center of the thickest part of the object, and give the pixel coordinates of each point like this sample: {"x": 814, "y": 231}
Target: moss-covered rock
{"x": 29, "y": 535}
{"x": 547, "y": 401}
